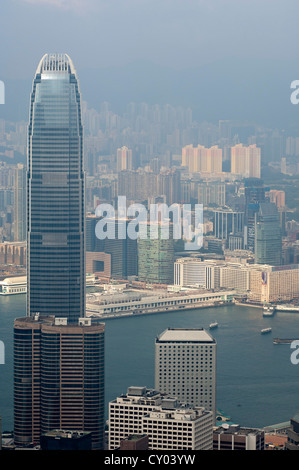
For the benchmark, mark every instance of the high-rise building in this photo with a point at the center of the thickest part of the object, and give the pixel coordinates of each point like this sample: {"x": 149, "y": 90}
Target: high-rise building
{"x": 185, "y": 366}
{"x": 268, "y": 238}
{"x": 202, "y": 159}
{"x": 254, "y": 196}
{"x": 156, "y": 255}
{"x": 119, "y": 252}
{"x": 19, "y": 213}
{"x": 58, "y": 378}
{"x": 168, "y": 423}
{"x": 246, "y": 161}
{"x": 124, "y": 159}
{"x": 58, "y": 352}
{"x": 228, "y": 222}
{"x": 56, "y": 208}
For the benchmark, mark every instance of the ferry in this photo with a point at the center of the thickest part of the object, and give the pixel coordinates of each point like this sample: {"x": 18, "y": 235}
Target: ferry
{"x": 268, "y": 310}
{"x": 287, "y": 308}
{"x": 213, "y": 325}
{"x": 266, "y": 330}
{"x": 284, "y": 340}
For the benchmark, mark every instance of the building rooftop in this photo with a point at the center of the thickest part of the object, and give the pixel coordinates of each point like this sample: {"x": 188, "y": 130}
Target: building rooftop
{"x": 185, "y": 335}
{"x": 14, "y": 280}
{"x": 226, "y": 428}
{"x": 135, "y": 437}
{"x": 69, "y": 434}
{"x": 56, "y": 63}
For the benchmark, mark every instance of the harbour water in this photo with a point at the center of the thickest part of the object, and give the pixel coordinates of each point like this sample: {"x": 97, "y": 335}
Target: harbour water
{"x": 257, "y": 384}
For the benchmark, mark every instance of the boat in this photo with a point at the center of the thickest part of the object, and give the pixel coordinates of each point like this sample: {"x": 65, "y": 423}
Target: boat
{"x": 287, "y": 308}
{"x": 268, "y": 310}
{"x": 284, "y": 340}
{"x": 265, "y": 330}
{"x": 213, "y": 325}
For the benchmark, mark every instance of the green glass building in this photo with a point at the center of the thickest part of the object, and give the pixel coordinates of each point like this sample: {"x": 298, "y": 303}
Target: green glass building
{"x": 156, "y": 257}
{"x": 268, "y": 237}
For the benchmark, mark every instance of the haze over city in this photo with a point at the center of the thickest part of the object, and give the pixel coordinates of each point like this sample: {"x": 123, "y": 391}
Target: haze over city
{"x": 225, "y": 59}
{"x": 115, "y": 336}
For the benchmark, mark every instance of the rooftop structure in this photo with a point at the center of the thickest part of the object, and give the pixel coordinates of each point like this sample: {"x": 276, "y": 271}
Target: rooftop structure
{"x": 168, "y": 423}
{"x": 235, "y": 437}
{"x": 185, "y": 335}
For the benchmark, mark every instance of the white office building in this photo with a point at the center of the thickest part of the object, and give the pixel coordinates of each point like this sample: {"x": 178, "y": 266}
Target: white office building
{"x": 169, "y": 424}
{"x": 212, "y": 274}
{"x": 195, "y": 272}
{"x": 185, "y": 366}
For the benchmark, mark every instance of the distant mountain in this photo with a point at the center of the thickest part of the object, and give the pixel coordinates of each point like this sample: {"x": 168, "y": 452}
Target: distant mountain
{"x": 251, "y": 90}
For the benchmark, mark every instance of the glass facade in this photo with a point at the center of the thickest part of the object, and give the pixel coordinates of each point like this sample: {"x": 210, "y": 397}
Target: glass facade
{"x": 20, "y": 203}
{"x": 156, "y": 255}
{"x": 58, "y": 379}
{"x": 26, "y": 382}
{"x": 55, "y": 192}
{"x": 268, "y": 238}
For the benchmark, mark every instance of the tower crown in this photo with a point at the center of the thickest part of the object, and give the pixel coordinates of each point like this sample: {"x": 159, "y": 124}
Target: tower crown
{"x": 56, "y": 63}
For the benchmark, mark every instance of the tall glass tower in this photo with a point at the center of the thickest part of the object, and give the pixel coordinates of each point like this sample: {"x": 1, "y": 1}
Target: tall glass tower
{"x": 55, "y": 192}
{"x": 268, "y": 237}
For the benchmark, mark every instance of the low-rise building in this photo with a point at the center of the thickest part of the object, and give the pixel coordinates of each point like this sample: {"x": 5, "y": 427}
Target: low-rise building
{"x": 235, "y": 437}
{"x": 261, "y": 283}
{"x": 168, "y": 423}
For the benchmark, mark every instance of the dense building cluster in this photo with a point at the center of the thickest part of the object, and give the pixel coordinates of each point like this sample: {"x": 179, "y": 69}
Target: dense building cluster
{"x": 53, "y": 214}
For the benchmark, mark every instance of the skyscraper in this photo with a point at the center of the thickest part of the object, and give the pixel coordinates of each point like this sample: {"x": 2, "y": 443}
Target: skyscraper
{"x": 246, "y": 161}
{"x": 19, "y": 215}
{"x": 55, "y": 210}
{"x": 254, "y": 196}
{"x": 268, "y": 238}
{"x": 124, "y": 159}
{"x": 185, "y": 366}
{"x": 122, "y": 252}
{"x": 156, "y": 254}
{"x": 58, "y": 378}
{"x": 58, "y": 353}
{"x": 201, "y": 159}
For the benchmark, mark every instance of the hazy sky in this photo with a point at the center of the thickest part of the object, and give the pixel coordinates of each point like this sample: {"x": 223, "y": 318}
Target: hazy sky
{"x": 241, "y": 55}
{"x": 176, "y": 33}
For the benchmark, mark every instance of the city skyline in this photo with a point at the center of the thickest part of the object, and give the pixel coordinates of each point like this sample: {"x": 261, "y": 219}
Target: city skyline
{"x": 139, "y": 111}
